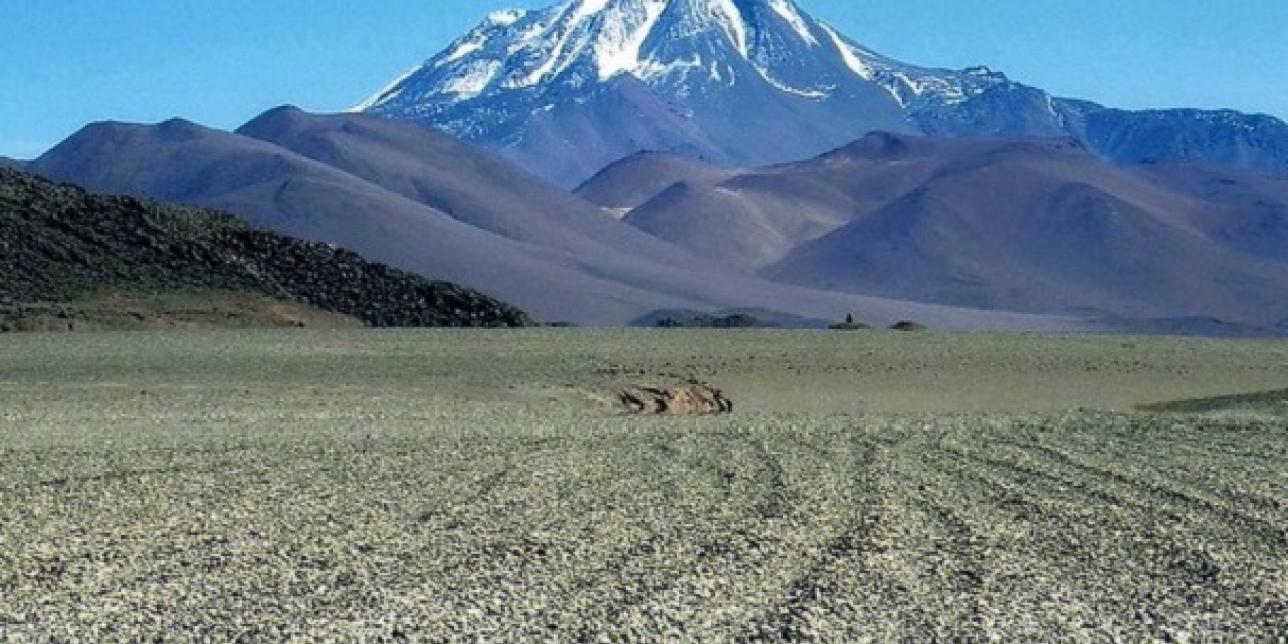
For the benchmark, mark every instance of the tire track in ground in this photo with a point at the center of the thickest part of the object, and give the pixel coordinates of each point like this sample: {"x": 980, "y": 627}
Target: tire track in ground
{"x": 601, "y": 570}
{"x": 818, "y": 582}
{"x": 1193, "y": 573}
{"x": 1193, "y": 465}
{"x": 1273, "y": 535}
{"x": 735, "y": 553}
{"x": 1096, "y": 485}
{"x": 671, "y": 540}
{"x": 482, "y": 533}
{"x": 945, "y": 552}
{"x": 609, "y": 579}
{"x": 775, "y": 501}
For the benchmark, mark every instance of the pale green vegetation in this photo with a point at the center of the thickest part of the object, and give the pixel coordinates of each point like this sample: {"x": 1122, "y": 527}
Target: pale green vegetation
{"x": 432, "y": 486}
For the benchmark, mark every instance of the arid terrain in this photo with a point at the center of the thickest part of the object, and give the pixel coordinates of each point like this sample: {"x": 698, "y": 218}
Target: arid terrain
{"x": 320, "y": 485}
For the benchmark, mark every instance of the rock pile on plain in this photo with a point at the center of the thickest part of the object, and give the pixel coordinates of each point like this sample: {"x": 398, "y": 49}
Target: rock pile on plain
{"x": 689, "y": 399}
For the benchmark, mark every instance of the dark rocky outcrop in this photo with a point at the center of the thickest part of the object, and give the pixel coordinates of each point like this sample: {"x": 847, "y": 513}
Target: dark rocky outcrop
{"x": 731, "y": 321}
{"x": 61, "y": 244}
{"x": 739, "y": 318}
{"x": 907, "y": 326}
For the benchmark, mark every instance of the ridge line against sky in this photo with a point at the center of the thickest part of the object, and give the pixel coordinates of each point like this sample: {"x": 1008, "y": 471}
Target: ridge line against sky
{"x": 67, "y": 64}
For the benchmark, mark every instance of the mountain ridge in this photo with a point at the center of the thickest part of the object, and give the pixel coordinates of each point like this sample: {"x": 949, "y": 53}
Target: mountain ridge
{"x": 608, "y": 274}
{"x": 1038, "y": 225}
{"x": 569, "y": 89}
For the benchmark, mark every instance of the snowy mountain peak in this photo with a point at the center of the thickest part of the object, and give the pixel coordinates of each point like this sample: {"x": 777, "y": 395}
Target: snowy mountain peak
{"x": 682, "y": 62}
{"x": 505, "y": 17}
{"x": 660, "y": 42}
{"x": 568, "y": 89}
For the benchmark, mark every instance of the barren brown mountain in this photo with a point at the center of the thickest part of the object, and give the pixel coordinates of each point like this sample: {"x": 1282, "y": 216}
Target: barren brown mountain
{"x": 1016, "y": 224}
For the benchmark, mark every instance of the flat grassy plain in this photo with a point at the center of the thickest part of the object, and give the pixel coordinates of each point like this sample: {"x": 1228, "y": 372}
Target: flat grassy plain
{"x": 479, "y": 486}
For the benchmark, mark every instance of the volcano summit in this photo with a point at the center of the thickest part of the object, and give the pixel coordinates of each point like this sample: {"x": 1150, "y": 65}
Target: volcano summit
{"x": 566, "y": 90}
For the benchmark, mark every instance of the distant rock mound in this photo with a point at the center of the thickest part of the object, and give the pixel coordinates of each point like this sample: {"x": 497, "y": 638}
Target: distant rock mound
{"x": 61, "y": 244}
{"x": 734, "y": 321}
{"x": 739, "y": 318}
{"x": 907, "y": 326}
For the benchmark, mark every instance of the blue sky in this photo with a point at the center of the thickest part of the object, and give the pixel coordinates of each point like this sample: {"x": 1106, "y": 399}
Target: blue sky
{"x": 64, "y": 63}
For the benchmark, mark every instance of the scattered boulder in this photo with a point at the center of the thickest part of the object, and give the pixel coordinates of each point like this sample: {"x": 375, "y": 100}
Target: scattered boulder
{"x": 688, "y": 399}
{"x": 907, "y": 326}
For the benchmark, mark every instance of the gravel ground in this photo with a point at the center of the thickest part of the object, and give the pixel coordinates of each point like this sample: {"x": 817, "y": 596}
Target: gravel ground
{"x": 229, "y": 487}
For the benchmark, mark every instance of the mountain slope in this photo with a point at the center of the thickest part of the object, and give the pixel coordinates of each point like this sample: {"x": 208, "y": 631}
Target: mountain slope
{"x": 632, "y": 181}
{"x": 1013, "y": 224}
{"x": 1213, "y": 137}
{"x": 1246, "y": 210}
{"x": 472, "y": 187}
{"x": 12, "y": 164}
{"x": 755, "y": 217}
{"x": 1035, "y": 226}
{"x": 63, "y": 245}
{"x": 595, "y": 276}
{"x": 569, "y": 89}
{"x": 273, "y": 187}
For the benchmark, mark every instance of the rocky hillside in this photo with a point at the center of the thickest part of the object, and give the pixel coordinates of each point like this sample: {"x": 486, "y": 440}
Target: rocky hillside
{"x": 61, "y": 244}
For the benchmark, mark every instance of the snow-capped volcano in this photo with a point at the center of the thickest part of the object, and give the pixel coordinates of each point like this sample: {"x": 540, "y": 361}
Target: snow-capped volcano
{"x": 663, "y": 43}
{"x": 568, "y": 89}
{"x": 571, "y": 88}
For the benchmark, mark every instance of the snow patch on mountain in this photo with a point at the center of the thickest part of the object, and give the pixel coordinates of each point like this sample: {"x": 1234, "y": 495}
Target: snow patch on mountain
{"x": 787, "y": 11}
{"x": 618, "y": 47}
{"x": 731, "y": 17}
{"x": 475, "y": 79}
{"x": 849, "y": 55}
{"x": 506, "y": 17}
{"x": 390, "y": 92}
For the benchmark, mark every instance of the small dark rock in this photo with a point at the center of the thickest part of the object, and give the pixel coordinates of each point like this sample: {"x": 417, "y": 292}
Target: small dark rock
{"x": 907, "y": 326}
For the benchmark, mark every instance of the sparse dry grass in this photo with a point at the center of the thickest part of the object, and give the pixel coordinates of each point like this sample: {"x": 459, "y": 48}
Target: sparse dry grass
{"x": 440, "y": 486}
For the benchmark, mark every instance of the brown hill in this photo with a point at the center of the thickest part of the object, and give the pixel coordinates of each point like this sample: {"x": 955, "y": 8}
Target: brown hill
{"x": 1016, "y": 224}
